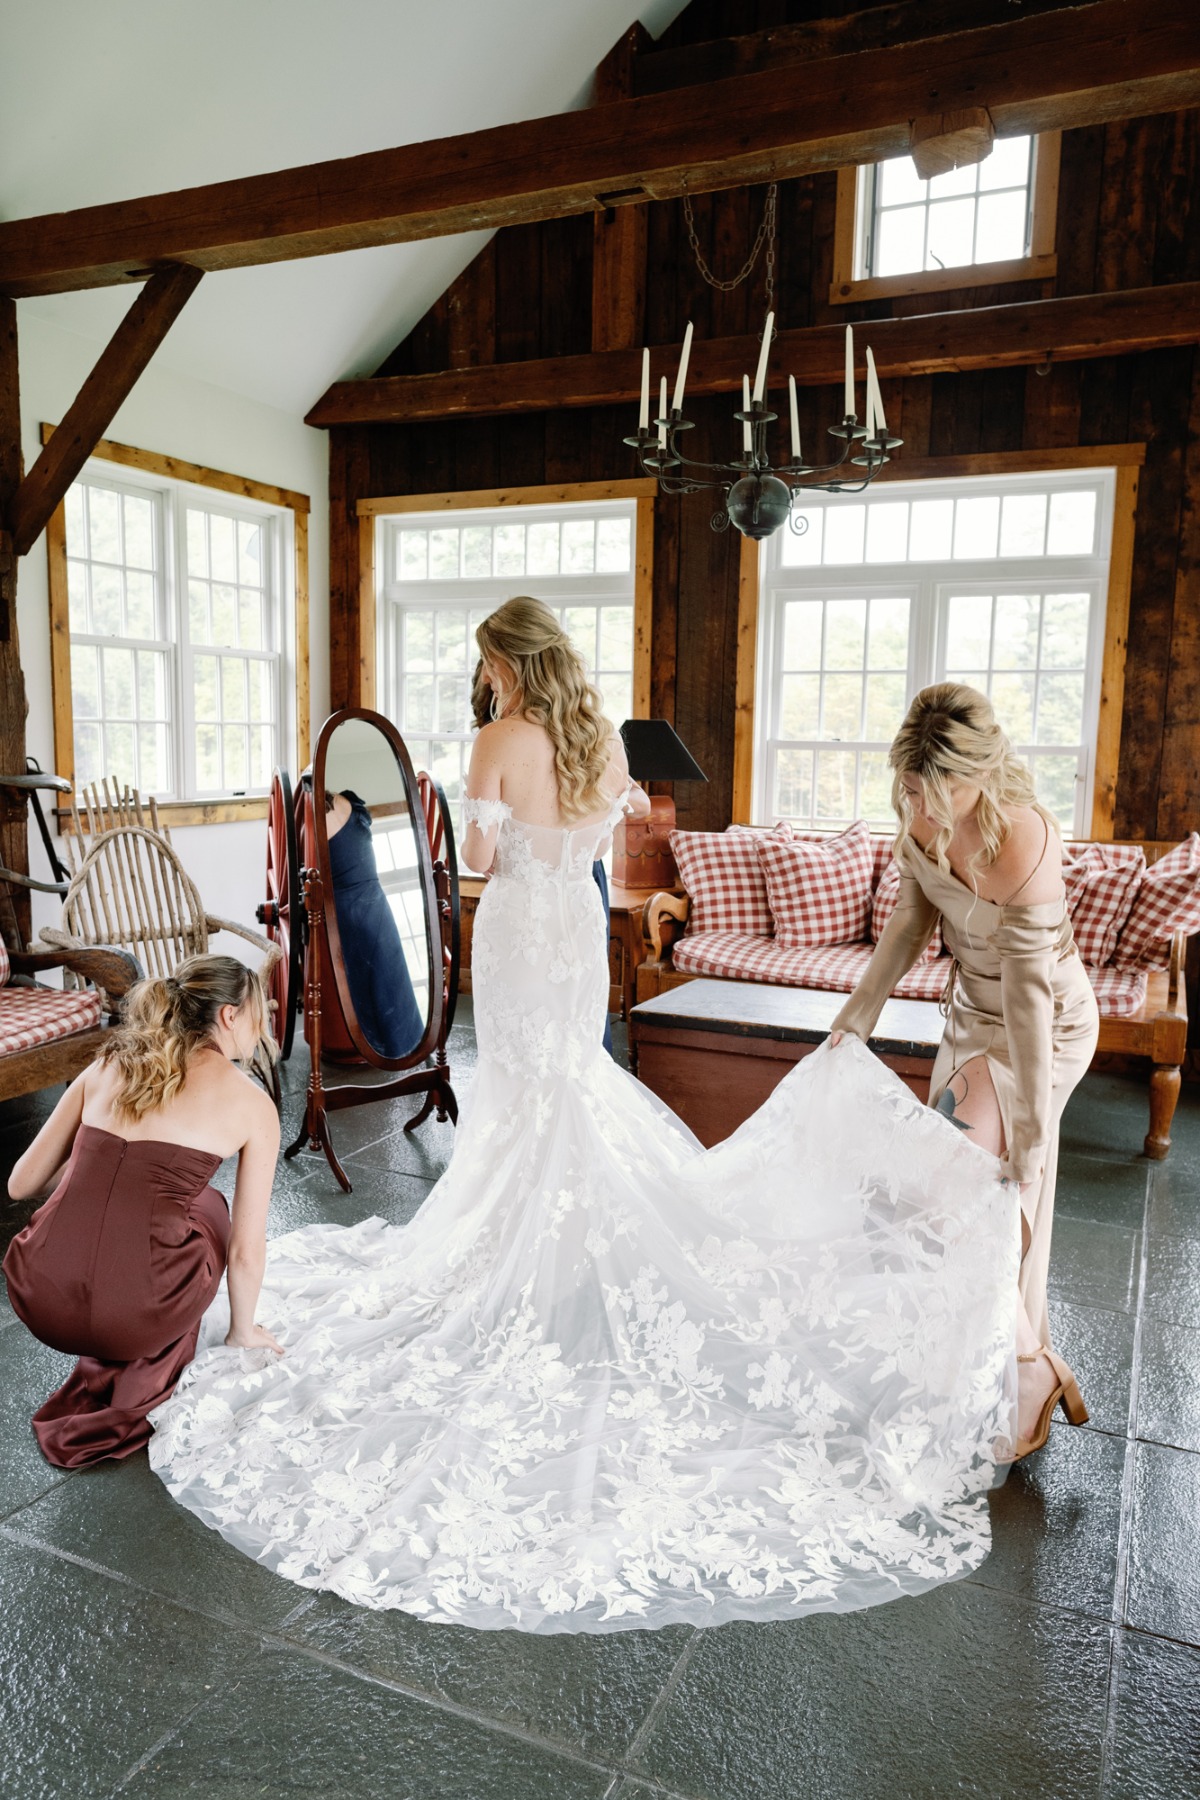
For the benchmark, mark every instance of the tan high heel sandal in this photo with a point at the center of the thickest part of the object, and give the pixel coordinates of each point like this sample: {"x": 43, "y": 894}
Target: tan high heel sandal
{"x": 1066, "y": 1395}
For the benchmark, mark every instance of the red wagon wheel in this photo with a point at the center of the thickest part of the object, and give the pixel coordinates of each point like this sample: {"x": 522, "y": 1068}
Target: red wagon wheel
{"x": 440, "y": 828}
{"x": 281, "y": 912}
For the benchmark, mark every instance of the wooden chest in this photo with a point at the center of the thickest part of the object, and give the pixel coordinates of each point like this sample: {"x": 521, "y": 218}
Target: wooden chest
{"x": 714, "y": 1050}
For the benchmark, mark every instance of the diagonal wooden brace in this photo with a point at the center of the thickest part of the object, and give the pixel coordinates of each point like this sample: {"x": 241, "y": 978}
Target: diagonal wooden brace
{"x": 131, "y": 347}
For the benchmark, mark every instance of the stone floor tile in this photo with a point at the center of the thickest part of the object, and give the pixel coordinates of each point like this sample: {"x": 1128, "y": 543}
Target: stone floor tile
{"x": 292, "y": 1725}
{"x": 1107, "y": 1114}
{"x": 959, "y": 1691}
{"x": 28, "y": 1373}
{"x": 1174, "y": 1209}
{"x": 1056, "y": 1521}
{"x": 94, "y": 1674}
{"x": 1094, "y": 1265}
{"x": 1169, "y": 1385}
{"x": 1173, "y": 1280}
{"x": 375, "y": 1192}
{"x": 121, "y": 1516}
{"x": 1098, "y": 1344}
{"x": 424, "y": 1153}
{"x": 1164, "y": 1563}
{"x": 1110, "y": 1190}
{"x": 585, "y": 1693}
{"x": 1156, "y": 1744}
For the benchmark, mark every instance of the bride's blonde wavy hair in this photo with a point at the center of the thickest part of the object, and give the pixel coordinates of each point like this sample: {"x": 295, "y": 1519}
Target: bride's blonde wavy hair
{"x": 167, "y": 1019}
{"x": 553, "y": 690}
{"x": 950, "y": 734}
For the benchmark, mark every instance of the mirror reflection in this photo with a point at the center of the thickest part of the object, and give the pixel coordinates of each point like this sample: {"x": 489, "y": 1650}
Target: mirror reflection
{"x": 377, "y": 894}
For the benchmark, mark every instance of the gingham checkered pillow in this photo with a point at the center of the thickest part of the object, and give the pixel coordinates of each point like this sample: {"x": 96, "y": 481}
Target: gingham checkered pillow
{"x": 820, "y": 893}
{"x": 1102, "y": 883}
{"x": 1168, "y": 900}
{"x": 725, "y": 885}
{"x": 887, "y": 895}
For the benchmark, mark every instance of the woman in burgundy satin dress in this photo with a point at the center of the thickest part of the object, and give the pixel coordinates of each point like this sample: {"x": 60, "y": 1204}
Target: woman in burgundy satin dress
{"x": 119, "y": 1265}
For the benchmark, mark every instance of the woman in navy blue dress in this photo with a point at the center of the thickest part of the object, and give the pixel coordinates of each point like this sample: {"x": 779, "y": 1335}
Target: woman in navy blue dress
{"x": 380, "y": 985}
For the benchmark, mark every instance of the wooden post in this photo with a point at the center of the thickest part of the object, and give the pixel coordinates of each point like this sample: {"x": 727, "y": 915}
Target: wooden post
{"x": 14, "y": 843}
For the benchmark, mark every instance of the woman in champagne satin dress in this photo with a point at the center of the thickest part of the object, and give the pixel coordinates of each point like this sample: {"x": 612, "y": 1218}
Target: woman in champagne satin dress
{"x": 977, "y": 853}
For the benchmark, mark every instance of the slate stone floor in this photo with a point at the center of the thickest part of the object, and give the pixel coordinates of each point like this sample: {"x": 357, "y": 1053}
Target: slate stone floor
{"x": 141, "y": 1656}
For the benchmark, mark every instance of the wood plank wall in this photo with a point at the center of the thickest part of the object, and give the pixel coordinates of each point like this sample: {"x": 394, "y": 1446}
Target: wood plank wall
{"x": 1129, "y": 215}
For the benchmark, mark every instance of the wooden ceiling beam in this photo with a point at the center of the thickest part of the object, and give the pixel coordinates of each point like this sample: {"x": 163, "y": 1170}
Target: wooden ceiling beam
{"x": 120, "y": 363}
{"x": 657, "y": 71}
{"x": 1111, "y": 59}
{"x": 988, "y": 337}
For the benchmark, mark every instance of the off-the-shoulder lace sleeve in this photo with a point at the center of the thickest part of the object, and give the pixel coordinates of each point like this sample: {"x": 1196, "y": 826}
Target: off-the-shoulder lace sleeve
{"x": 485, "y": 813}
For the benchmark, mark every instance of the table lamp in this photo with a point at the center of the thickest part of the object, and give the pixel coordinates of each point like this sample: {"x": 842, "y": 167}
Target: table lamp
{"x": 641, "y": 847}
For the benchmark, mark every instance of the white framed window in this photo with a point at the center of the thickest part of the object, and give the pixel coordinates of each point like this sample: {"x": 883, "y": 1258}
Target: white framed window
{"x": 977, "y": 214}
{"x": 441, "y": 574}
{"x": 995, "y": 220}
{"x": 178, "y": 612}
{"x": 999, "y": 582}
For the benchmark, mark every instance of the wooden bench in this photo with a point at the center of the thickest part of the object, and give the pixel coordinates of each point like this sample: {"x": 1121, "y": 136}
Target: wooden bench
{"x": 714, "y": 1050}
{"x": 1157, "y": 1032}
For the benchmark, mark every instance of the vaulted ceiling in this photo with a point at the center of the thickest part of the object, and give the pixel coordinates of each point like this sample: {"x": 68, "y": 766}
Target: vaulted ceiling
{"x": 108, "y": 102}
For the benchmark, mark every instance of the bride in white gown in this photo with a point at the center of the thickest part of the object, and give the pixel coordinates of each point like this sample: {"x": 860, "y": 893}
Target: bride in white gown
{"x": 606, "y": 1378}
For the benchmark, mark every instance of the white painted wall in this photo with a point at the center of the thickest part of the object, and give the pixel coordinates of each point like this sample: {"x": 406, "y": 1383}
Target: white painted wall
{"x": 177, "y": 416}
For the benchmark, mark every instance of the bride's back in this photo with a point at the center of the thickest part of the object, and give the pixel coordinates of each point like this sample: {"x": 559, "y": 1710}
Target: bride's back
{"x": 522, "y": 754}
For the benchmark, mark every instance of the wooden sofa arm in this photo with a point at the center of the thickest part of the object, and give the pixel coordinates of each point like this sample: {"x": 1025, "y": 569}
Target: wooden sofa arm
{"x": 664, "y": 918}
{"x": 113, "y": 971}
{"x": 1175, "y": 994}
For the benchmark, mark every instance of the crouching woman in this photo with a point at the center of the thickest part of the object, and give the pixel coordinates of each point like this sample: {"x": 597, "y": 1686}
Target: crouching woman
{"x": 121, "y": 1262}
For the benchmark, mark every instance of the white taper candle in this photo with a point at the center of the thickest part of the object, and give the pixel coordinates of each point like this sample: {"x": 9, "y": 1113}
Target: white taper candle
{"x": 849, "y": 371}
{"x": 760, "y": 377}
{"x": 644, "y": 414}
{"x": 795, "y": 418}
{"x": 874, "y": 394}
{"x": 747, "y": 439}
{"x": 662, "y": 413}
{"x": 677, "y": 403}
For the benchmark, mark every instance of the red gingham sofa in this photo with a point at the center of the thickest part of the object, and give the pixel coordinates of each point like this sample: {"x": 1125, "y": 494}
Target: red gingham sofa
{"x": 1132, "y": 907}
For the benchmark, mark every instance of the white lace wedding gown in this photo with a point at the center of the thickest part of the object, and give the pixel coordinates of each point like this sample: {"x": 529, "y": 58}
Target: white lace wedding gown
{"x": 605, "y": 1378}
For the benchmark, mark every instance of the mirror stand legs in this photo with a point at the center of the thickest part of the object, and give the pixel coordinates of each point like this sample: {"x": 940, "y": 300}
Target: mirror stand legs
{"x": 314, "y": 1135}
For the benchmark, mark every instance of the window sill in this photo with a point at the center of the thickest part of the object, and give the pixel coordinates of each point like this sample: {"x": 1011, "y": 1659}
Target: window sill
{"x": 197, "y": 812}
{"x": 934, "y": 281}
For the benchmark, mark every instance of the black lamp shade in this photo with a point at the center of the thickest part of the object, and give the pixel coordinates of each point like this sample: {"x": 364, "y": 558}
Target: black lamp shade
{"x": 656, "y": 754}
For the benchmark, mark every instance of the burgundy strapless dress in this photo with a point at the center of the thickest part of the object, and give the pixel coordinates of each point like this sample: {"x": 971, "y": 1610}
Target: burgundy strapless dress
{"x": 117, "y": 1268}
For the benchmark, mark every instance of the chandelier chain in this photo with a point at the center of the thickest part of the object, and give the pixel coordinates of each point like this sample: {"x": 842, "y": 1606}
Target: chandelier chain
{"x": 766, "y": 235}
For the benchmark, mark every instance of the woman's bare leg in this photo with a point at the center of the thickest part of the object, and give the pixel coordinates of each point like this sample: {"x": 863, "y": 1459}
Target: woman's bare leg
{"x": 969, "y": 1101}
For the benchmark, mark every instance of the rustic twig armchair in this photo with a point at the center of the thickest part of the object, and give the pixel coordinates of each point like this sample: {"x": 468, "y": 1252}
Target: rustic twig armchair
{"x": 128, "y": 887}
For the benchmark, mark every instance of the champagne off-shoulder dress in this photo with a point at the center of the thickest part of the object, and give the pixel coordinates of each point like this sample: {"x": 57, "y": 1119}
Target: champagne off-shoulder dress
{"x": 1018, "y": 995}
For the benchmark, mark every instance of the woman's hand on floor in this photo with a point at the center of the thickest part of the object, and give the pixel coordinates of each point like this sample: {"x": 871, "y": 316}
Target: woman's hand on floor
{"x": 257, "y": 1338}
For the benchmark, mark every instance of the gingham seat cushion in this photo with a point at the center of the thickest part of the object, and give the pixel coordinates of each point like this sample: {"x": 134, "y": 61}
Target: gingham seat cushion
{"x": 1102, "y": 883}
{"x": 883, "y": 905}
{"x": 1119, "y": 992}
{"x": 819, "y": 891}
{"x": 1167, "y": 900}
{"x": 725, "y": 886}
{"x": 833, "y": 967}
{"x": 33, "y": 1016}
{"x": 836, "y": 968}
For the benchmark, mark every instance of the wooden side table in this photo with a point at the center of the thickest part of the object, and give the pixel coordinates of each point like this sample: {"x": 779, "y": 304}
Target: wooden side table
{"x": 626, "y": 947}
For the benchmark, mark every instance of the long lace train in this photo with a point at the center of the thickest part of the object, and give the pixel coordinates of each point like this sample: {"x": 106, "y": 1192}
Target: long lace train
{"x": 605, "y": 1378}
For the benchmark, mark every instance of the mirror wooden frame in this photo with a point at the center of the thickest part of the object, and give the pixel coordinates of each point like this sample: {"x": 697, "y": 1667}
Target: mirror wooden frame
{"x": 433, "y": 1081}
